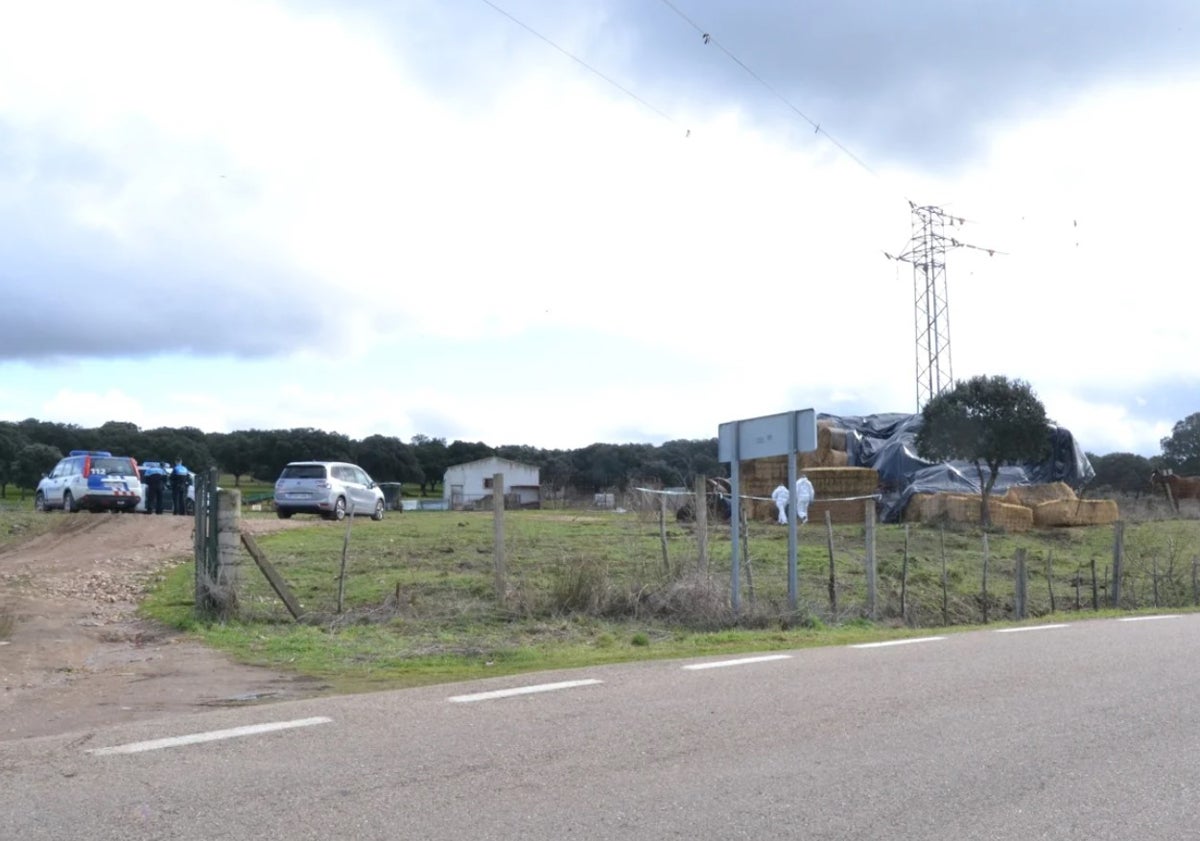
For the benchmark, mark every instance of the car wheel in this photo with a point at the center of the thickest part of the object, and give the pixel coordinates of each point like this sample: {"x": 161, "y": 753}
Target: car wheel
{"x": 283, "y": 513}
{"x": 189, "y": 507}
{"x": 339, "y": 508}
{"x": 69, "y": 502}
{"x": 378, "y": 515}
{"x": 39, "y": 502}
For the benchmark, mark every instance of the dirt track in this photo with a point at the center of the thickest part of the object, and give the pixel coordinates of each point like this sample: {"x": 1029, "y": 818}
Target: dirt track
{"x": 78, "y": 658}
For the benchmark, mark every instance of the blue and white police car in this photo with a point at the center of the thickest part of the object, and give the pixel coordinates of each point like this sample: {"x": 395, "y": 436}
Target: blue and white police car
{"x": 90, "y": 480}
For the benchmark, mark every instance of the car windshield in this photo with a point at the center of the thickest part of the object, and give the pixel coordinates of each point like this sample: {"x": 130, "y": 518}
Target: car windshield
{"x": 112, "y": 467}
{"x": 303, "y": 471}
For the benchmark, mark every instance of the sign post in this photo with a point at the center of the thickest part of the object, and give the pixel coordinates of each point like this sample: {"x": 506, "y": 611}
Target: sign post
{"x": 771, "y": 435}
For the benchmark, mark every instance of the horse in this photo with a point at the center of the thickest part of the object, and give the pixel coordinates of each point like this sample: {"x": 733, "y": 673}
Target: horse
{"x": 1177, "y": 487}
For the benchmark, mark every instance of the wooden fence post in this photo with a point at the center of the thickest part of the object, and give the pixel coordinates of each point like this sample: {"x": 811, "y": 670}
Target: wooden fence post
{"x": 702, "y": 523}
{"x": 1020, "y": 606}
{"x": 662, "y": 532}
{"x": 832, "y": 573}
{"x": 871, "y": 569}
{"x": 986, "y": 554}
{"x": 498, "y": 536}
{"x": 1118, "y": 562}
{"x": 945, "y": 583}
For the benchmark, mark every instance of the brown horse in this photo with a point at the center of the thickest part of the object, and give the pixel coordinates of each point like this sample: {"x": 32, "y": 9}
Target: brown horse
{"x": 1177, "y": 487}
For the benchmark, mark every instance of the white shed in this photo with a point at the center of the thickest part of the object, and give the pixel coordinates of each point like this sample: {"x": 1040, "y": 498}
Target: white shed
{"x": 466, "y": 485}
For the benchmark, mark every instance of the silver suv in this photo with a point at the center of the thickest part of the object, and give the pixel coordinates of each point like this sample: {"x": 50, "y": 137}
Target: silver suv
{"x": 329, "y": 488}
{"x": 90, "y": 479}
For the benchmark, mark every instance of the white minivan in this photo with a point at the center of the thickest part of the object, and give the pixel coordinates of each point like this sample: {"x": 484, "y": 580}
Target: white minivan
{"x": 329, "y": 488}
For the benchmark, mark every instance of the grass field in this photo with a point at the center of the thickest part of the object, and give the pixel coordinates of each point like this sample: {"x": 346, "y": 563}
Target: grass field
{"x": 585, "y": 587}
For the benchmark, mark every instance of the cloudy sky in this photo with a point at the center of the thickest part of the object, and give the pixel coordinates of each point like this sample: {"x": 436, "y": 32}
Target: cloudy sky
{"x": 561, "y": 222}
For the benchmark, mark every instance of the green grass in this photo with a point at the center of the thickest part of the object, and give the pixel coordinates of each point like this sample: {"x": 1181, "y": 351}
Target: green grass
{"x": 588, "y": 588}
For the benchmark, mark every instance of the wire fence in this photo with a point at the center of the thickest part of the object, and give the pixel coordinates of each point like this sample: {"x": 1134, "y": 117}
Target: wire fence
{"x": 646, "y": 554}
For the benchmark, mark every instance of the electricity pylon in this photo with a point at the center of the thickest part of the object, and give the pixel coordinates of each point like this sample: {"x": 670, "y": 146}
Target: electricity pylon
{"x": 927, "y": 253}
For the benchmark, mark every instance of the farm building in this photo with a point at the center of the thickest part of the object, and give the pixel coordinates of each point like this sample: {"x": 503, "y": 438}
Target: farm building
{"x": 468, "y": 486}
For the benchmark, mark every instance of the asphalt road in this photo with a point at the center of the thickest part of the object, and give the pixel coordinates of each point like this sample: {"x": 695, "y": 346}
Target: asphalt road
{"x": 1089, "y": 731}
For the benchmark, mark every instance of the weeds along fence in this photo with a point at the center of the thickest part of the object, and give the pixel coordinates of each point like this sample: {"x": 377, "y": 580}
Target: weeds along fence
{"x": 642, "y": 560}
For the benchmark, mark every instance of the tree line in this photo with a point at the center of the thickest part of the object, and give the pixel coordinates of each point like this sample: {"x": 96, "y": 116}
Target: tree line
{"x": 30, "y": 448}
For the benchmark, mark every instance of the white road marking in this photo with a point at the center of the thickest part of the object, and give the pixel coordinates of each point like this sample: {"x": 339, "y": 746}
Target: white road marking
{"x": 521, "y": 690}
{"x": 739, "y": 662}
{"x": 3, "y": 642}
{"x": 1032, "y": 628}
{"x": 896, "y": 642}
{"x": 210, "y": 736}
{"x": 1149, "y": 618}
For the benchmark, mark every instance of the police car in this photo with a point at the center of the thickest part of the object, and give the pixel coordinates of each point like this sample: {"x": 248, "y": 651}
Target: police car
{"x": 91, "y": 480}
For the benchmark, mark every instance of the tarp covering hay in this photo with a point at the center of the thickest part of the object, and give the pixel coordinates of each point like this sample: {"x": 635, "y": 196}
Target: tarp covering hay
{"x": 964, "y": 508}
{"x": 1031, "y": 495}
{"x": 1075, "y": 512}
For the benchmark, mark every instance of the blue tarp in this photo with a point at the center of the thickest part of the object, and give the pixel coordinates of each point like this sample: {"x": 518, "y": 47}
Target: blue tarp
{"x": 887, "y": 443}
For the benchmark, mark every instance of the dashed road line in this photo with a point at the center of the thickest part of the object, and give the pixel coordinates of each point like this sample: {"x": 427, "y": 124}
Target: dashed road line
{"x": 1150, "y": 618}
{"x": 887, "y": 643}
{"x": 742, "y": 661}
{"x": 210, "y": 736}
{"x": 1033, "y": 628}
{"x": 521, "y": 690}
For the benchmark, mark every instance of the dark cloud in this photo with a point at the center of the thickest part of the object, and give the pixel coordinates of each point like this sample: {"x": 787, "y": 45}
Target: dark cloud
{"x": 919, "y": 82}
{"x": 915, "y": 82}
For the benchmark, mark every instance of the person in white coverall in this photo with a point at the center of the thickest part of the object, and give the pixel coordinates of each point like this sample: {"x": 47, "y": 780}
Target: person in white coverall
{"x": 780, "y": 497}
{"x": 804, "y": 495}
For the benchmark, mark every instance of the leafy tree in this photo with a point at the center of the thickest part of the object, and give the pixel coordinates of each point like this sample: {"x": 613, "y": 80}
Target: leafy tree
{"x": 11, "y": 442}
{"x": 234, "y": 454}
{"x": 599, "y": 467}
{"x": 33, "y": 462}
{"x": 986, "y": 420}
{"x": 461, "y": 452}
{"x": 1181, "y": 451}
{"x": 1125, "y": 472}
{"x": 388, "y": 459}
{"x": 118, "y": 437}
{"x": 433, "y": 458}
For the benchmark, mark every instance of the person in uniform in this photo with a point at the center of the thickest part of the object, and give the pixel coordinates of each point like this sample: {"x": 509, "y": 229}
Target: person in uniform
{"x": 180, "y": 479}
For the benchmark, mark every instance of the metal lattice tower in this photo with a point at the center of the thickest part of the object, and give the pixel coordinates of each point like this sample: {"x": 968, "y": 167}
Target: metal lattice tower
{"x": 927, "y": 253}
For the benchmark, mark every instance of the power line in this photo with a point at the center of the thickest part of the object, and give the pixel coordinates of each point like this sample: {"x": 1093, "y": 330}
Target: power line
{"x": 709, "y": 39}
{"x": 582, "y": 63}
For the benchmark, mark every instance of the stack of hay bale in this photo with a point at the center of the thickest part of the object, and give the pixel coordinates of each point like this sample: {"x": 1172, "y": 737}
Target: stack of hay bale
{"x": 830, "y": 451}
{"x": 1056, "y": 505}
{"x": 966, "y": 508}
{"x": 1023, "y": 507}
{"x": 839, "y": 489}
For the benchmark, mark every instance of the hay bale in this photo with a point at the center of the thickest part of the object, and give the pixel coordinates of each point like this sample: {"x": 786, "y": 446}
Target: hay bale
{"x": 1075, "y": 512}
{"x": 831, "y": 437}
{"x": 965, "y": 508}
{"x": 1031, "y": 495}
{"x": 923, "y": 508}
{"x": 837, "y": 482}
{"x": 762, "y": 476}
{"x": 822, "y": 458}
{"x": 841, "y": 511}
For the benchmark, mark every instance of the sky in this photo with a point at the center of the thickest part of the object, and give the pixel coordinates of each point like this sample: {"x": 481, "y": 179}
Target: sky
{"x": 560, "y": 222}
